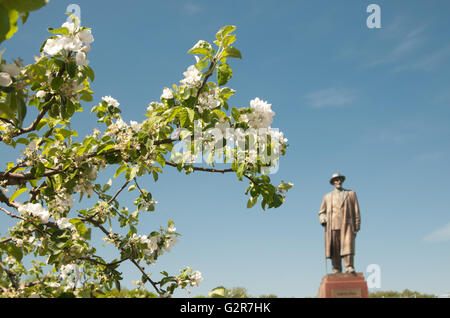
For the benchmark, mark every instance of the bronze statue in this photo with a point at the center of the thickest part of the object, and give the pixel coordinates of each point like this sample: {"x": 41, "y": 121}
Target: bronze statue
{"x": 339, "y": 214}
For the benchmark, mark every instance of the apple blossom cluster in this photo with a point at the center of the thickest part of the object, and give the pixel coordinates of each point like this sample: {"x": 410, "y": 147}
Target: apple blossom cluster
{"x": 7, "y": 72}
{"x": 208, "y": 100}
{"x": 167, "y": 93}
{"x": 64, "y": 223}
{"x": 34, "y": 210}
{"x": 261, "y": 115}
{"x": 71, "y": 274}
{"x": 60, "y": 203}
{"x": 196, "y": 278}
{"x": 77, "y": 40}
{"x": 111, "y": 101}
{"x": 154, "y": 245}
{"x": 192, "y": 77}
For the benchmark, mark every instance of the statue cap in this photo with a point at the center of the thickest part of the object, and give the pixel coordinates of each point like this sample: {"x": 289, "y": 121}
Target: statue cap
{"x": 337, "y": 176}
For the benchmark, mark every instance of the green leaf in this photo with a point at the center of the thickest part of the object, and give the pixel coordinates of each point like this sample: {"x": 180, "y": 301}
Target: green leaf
{"x": 228, "y": 40}
{"x": 218, "y": 292}
{"x": 17, "y": 193}
{"x": 226, "y": 92}
{"x": 120, "y": 170}
{"x": 86, "y": 97}
{"x": 235, "y": 113}
{"x": 224, "y": 31}
{"x": 57, "y": 83}
{"x": 24, "y": 5}
{"x": 4, "y": 23}
{"x": 63, "y": 30}
{"x": 202, "y": 47}
{"x": 90, "y": 73}
{"x": 202, "y": 64}
{"x": 220, "y": 113}
{"x": 104, "y": 147}
{"x": 13, "y": 18}
{"x": 39, "y": 170}
{"x": 251, "y": 202}
{"x": 277, "y": 200}
{"x": 131, "y": 173}
{"x": 72, "y": 69}
{"x": 240, "y": 171}
{"x": 191, "y": 114}
{"x": 232, "y": 52}
{"x": 79, "y": 226}
{"x": 15, "y": 251}
{"x": 224, "y": 73}
{"x": 285, "y": 186}
{"x": 21, "y": 108}
{"x": 183, "y": 117}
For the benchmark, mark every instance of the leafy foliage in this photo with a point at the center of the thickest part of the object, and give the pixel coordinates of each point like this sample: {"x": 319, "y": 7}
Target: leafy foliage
{"x": 404, "y": 294}
{"x": 56, "y": 165}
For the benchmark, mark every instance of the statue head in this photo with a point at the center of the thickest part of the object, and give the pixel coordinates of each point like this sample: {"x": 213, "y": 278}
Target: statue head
{"x": 337, "y": 180}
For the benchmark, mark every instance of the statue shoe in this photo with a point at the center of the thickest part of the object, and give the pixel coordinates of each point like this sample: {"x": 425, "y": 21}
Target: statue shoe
{"x": 350, "y": 270}
{"x": 336, "y": 270}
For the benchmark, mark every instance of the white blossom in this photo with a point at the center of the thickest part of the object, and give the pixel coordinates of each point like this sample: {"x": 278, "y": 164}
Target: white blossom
{"x": 72, "y": 27}
{"x": 169, "y": 243}
{"x": 121, "y": 124}
{"x": 192, "y": 76}
{"x": 135, "y": 125}
{"x": 167, "y": 93}
{"x": 36, "y": 210}
{"x": 11, "y": 69}
{"x": 5, "y": 79}
{"x": 196, "y": 278}
{"x": 278, "y": 135}
{"x": 86, "y": 36}
{"x": 93, "y": 173}
{"x": 61, "y": 202}
{"x": 261, "y": 115}
{"x": 70, "y": 273}
{"x": 53, "y": 46}
{"x": 76, "y": 41}
{"x": 208, "y": 101}
{"x": 154, "y": 105}
{"x": 64, "y": 223}
{"x": 81, "y": 59}
{"x": 41, "y": 94}
{"x": 171, "y": 228}
{"x": 111, "y": 101}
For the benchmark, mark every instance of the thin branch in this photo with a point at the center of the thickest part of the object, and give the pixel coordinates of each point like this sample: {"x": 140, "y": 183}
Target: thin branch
{"x": 118, "y": 192}
{"x": 12, "y": 214}
{"x": 11, "y": 275}
{"x": 141, "y": 269}
{"x": 201, "y": 168}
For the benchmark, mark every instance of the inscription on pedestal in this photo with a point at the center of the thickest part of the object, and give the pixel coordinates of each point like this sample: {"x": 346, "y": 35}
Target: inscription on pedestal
{"x": 346, "y": 293}
{"x": 343, "y": 286}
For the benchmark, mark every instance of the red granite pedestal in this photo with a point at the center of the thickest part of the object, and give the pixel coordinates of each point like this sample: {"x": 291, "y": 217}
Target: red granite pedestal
{"x": 342, "y": 285}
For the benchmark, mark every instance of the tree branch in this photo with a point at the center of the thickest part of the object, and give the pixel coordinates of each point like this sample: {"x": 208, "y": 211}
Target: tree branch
{"x": 201, "y": 168}
{"x": 11, "y": 275}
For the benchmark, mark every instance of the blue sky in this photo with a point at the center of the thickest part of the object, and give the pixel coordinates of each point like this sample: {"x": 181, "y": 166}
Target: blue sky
{"x": 373, "y": 104}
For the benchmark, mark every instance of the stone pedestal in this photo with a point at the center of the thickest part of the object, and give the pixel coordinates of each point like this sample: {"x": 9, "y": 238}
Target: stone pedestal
{"x": 342, "y": 285}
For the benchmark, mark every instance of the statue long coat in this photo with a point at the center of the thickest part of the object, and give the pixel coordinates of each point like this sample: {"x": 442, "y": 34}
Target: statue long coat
{"x": 350, "y": 223}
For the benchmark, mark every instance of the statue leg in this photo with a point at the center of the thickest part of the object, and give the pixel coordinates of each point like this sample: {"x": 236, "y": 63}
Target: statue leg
{"x": 348, "y": 263}
{"x": 336, "y": 251}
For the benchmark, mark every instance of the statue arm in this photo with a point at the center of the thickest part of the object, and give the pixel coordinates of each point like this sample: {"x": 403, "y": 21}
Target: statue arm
{"x": 323, "y": 212}
{"x": 357, "y": 215}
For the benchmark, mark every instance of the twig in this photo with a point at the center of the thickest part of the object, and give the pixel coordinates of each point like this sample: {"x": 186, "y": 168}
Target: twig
{"x": 11, "y": 275}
